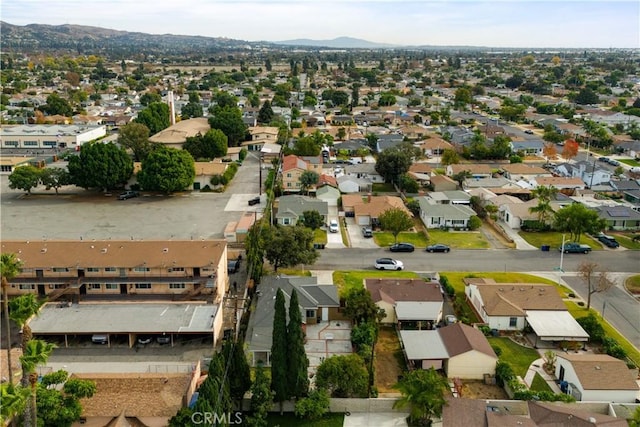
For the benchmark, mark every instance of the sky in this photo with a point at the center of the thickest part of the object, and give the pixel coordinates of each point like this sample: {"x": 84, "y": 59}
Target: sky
{"x": 498, "y": 23}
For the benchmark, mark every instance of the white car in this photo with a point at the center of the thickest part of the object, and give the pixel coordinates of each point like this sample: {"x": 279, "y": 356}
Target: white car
{"x": 388, "y": 264}
{"x": 333, "y": 226}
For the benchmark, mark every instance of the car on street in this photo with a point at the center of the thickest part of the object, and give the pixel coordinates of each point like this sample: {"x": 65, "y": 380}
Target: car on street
{"x": 603, "y": 159}
{"x": 438, "y": 247}
{"x": 254, "y": 201}
{"x": 528, "y": 132}
{"x": 129, "y": 194}
{"x": 608, "y": 241}
{"x": 575, "y": 248}
{"x": 388, "y": 264}
{"x": 233, "y": 265}
{"x": 402, "y": 247}
{"x": 333, "y": 226}
{"x": 367, "y": 232}
{"x": 614, "y": 162}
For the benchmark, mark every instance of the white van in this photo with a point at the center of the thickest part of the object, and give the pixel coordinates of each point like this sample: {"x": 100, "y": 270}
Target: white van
{"x": 99, "y": 339}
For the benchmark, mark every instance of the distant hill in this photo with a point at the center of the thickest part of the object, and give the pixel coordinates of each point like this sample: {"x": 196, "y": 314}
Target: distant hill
{"x": 338, "y": 43}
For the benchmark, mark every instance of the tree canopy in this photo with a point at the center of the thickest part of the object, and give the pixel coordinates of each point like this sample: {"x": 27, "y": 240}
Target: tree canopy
{"x": 101, "y": 166}
{"x": 265, "y": 115}
{"x": 155, "y": 117}
{"x": 228, "y": 119}
{"x": 135, "y": 137}
{"x": 24, "y": 178}
{"x": 211, "y": 145}
{"x": 395, "y": 220}
{"x": 287, "y": 246}
{"x": 577, "y": 219}
{"x": 343, "y": 376}
{"x": 279, "y": 349}
{"x": 394, "y": 162}
{"x": 422, "y": 390}
{"x": 168, "y": 170}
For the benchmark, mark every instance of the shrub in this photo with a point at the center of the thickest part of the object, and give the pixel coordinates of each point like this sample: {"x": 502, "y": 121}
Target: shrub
{"x": 497, "y": 350}
{"x": 572, "y": 295}
{"x": 486, "y": 331}
{"x": 242, "y": 154}
{"x": 592, "y": 326}
{"x": 314, "y": 406}
{"x": 612, "y": 348}
{"x": 448, "y": 287}
{"x": 215, "y": 180}
{"x": 504, "y": 373}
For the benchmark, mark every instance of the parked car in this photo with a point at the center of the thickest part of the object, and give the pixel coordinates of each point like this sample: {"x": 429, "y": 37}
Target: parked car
{"x": 367, "y": 232}
{"x": 164, "y": 339}
{"x": 438, "y": 247}
{"x": 130, "y": 194}
{"x": 233, "y": 265}
{"x": 402, "y": 247}
{"x": 254, "y": 201}
{"x": 333, "y": 226}
{"x": 575, "y": 248}
{"x": 450, "y": 319}
{"x": 603, "y": 159}
{"x": 528, "y": 132}
{"x": 608, "y": 241}
{"x": 388, "y": 264}
{"x": 144, "y": 340}
{"x": 614, "y": 162}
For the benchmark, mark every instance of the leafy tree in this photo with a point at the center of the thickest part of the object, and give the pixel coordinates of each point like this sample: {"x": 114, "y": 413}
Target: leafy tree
{"x": 261, "y": 399}
{"x": 549, "y": 151}
{"x": 395, "y": 220}
{"x": 543, "y": 209}
{"x": 156, "y": 117}
{"x": 265, "y": 115}
{"x": 24, "y": 178}
{"x": 592, "y": 326}
{"x": 239, "y": 371}
{"x": 298, "y": 363}
{"x": 360, "y": 308}
{"x": 135, "y": 137}
{"x": 212, "y": 144}
{"x": 343, "y": 376}
{"x": 463, "y": 96}
{"x": 168, "y": 170}
{"x": 54, "y": 178}
{"x": 10, "y": 266}
{"x": 422, "y": 390}
{"x": 229, "y": 120}
{"x": 312, "y": 219}
{"x": 150, "y": 97}
{"x": 392, "y": 164}
{"x": 386, "y": 99}
{"x": 577, "y": 219}
{"x": 306, "y": 146}
{"x": 587, "y": 96}
{"x": 635, "y": 421}
{"x": 182, "y": 418}
{"x": 307, "y": 180}
{"x": 289, "y": 246}
{"x": 314, "y": 406}
{"x": 449, "y": 157}
{"x": 62, "y": 407}
{"x": 570, "y": 149}
{"x": 279, "y": 355}
{"x": 56, "y": 105}
{"x": 475, "y": 222}
{"x": 193, "y": 108}
{"x": 500, "y": 148}
{"x": 35, "y": 353}
{"x": 103, "y": 166}
{"x": 461, "y": 176}
{"x": 595, "y": 281}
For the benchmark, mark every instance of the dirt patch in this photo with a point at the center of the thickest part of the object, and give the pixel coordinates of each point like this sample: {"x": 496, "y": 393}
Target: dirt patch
{"x": 141, "y": 395}
{"x": 389, "y": 363}
{"x": 480, "y": 390}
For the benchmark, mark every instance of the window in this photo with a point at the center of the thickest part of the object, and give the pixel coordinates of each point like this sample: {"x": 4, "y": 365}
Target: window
{"x": 60, "y": 269}
{"x": 95, "y": 286}
{"x": 513, "y": 322}
{"x": 93, "y": 270}
{"x": 27, "y": 287}
{"x": 141, "y": 269}
{"x": 288, "y": 175}
{"x": 176, "y": 285}
{"x": 111, "y": 286}
{"x": 143, "y": 285}
{"x": 110, "y": 269}
{"x": 177, "y": 269}
{"x": 49, "y": 143}
{"x": 311, "y": 313}
{"x": 56, "y": 286}
{"x": 286, "y": 221}
{"x": 11, "y": 143}
{"x": 288, "y": 184}
{"x": 30, "y": 143}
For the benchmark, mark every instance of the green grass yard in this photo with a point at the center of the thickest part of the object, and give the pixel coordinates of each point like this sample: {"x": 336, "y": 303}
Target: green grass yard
{"x": 630, "y": 162}
{"x": 519, "y": 357}
{"x": 346, "y": 280}
{"x": 554, "y": 239}
{"x": 539, "y": 384}
{"x": 455, "y": 239}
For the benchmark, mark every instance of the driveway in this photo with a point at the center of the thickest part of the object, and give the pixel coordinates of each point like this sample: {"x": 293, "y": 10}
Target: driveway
{"x": 334, "y": 240}
{"x": 355, "y": 235}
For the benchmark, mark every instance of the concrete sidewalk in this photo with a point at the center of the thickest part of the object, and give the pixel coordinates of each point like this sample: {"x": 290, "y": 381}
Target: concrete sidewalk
{"x": 536, "y": 368}
{"x": 521, "y": 244}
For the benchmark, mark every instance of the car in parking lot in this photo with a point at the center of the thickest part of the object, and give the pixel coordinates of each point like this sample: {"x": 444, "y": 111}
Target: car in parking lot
{"x": 402, "y": 247}
{"x": 254, "y": 201}
{"x": 438, "y": 247}
{"x": 367, "y": 232}
{"x": 388, "y": 264}
{"x": 333, "y": 226}
{"x": 130, "y": 194}
{"x": 608, "y": 241}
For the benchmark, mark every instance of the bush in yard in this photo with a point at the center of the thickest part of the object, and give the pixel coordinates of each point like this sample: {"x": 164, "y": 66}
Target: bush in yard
{"x": 486, "y": 331}
{"x": 314, "y": 406}
{"x": 448, "y": 288}
{"x": 497, "y": 350}
{"x": 592, "y": 326}
{"x": 475, "y": 223}
{"x": 504, "y": 373}
{"x": 612, "y": 348}
{"x": 545, "y": 396}
{"x": 242, "y": 154}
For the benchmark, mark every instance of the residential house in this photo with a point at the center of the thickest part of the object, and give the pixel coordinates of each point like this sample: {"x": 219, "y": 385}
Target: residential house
{"x": 421, "y": 172}
{"x": 292, "y": 169}
{"x": 529, "y": 147}
{"x": 268, "y": 153}
{"x": 327, "y": 190}
{"x": 524, "y": 172}
{"x": 619, "y": 217}
{"x": 597, "y": 377}
{"x": 351, "y": 184}
{"x": 589, "y": 172}
{"x": 386, "y": 141}
{"x": 514, "y": 212}
{"x": 488, "y": 183}
{"x": 318, "y": 304}
{"x": 434, "y": 146}
{"x": 407, "y": 303}
{"x": 261, "y": 135}
{"x": 512, "y": 306}
{"x": 176, "y": 135}
{"x": 561, "y": 183}
{"x": 454, "y": 197}
{"x": 352, "y": 146}
{"x": 367, "y": 211}
{"x": 477, "y": 170}
{"x": 365, "y": 171}
{"x": 436, "y": 215}
{"x": 206, "y": 170}
{"x": 290, "y": 209}
{"x": 443, "y": 183}
{"x": 629, "y": 189}
{"x": 119, "y": 268}
{"x": 460, "y": 350}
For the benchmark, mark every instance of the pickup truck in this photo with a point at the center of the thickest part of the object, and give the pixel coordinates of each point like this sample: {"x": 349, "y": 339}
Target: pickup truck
{"x": 575, "y": 248}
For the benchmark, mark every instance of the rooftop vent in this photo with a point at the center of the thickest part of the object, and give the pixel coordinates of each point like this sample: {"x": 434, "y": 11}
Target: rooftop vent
{"x": 43, "y": 250}
{"x": 165, "y": 250}
{"x": 104, "y": 250}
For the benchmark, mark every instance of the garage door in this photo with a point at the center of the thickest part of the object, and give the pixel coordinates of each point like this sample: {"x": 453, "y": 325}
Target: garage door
{"x": 364, "y": 220}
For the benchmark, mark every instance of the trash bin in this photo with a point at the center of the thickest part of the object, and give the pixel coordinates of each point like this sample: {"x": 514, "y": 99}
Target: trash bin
{"x": 545, "y": 248}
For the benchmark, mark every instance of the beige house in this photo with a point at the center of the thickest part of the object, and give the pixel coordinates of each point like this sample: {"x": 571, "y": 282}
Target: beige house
{"x": 292, "y": 169}
{"x": 176, "y": 135}
{"x": 261, "y": 135}
{"x": 523, "y": 172}
{"x": 206, "y": 170}
{"x": 561, "y": 183}
{"x": 434, "y": 146}
{"x": 367, "y": 210}
{"x": 476, "y": 170}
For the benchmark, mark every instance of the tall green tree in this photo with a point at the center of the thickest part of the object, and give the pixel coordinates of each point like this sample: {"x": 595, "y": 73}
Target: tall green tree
{"x": 61, "y": 407}
{"x": 287, "y": 246}
{"x": 13, "y": 400}
{"x": 543, "y": 209}
{"x": 156, "y": 117}
{"x": 229, "y": 120}
{"x": 21, "y": 309}
{"x": 56, "y": 105}
{"x": 343, "y": 376}
{"x": 279, "y": 356}
{"x": 392, "y": 163}
{"x": 577, "y": 219}
{"x": 10, "y": 266}
{"x": 150, "y": 97}
{"x": 35, "y": 353}
{"x": 212, "y": 144}
{"x": 423, "y": 391}
{"x": 101, "y": 166}
{"x": 395, "y": 220}
{"x": 168, "y": 170}
{"x": 239, "y": 371}
{"x": 24, "y": 178}
{"x": 54, "y": 178}
{"x": 298, "y": 380}
{"x": 193, "y": 108}
{"x": 360, "y": 308}
{"x": 265, "y": 115}
{"x": 307, "y": 180}
{"x": 312, "y": 219}
{"x": 135, "y": 137}
{"x": 261, "y": 399}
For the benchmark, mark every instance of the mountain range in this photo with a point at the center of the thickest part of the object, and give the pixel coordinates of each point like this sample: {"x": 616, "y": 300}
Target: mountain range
{"x": 338, "y": 43}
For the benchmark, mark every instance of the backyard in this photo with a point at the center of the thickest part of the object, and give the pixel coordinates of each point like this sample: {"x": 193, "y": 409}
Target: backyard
{"x": 519, "y": 357}
{"x": 389, "y": 361}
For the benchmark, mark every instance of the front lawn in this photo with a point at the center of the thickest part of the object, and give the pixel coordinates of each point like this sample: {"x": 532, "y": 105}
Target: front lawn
{"x": 630, "y": 162}
{"x": 625, "y": 240}
{"x": 554, "y": 239}
{"x": 290, "y": 420}
{"x": 320, "y": 236}
{"x": 577, "y": 312}
{"x": 519, "y": 357}
{"x": 346, "y": 280}
{"x": 455, "y": 278}
{"x": 384, "y": 239}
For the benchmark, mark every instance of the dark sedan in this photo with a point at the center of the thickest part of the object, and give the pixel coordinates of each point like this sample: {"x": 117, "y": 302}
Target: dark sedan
{"x": 402, "y": 247}
{"x": 439, "y": 247}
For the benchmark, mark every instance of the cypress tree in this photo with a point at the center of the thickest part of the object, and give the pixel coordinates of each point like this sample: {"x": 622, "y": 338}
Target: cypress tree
{"x": 239, "y": 373}
{"x": 298, "y": 362}
{"x": 279, "y": 359}
{"x": 261, "y": 399}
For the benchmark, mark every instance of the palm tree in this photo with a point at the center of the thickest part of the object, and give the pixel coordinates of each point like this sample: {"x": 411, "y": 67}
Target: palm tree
{"x": 24, "y": 308}
{"x": 12, "y": 401}
{"x": 9, "y": 268}
{"x": 36, "y": 353}
{"x": 423, "y": 390}
{"x": 543, "y": 209}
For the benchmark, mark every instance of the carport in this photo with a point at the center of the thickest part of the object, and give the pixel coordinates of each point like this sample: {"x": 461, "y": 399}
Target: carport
{"x": 555, "y": 325}
{"x": 128, "y": 320}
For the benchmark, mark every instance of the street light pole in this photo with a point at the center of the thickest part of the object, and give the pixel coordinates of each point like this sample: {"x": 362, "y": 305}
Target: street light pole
{"x": 562, "y": 253}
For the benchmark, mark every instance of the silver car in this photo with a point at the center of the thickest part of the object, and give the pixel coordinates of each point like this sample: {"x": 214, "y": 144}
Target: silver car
{"x": 388, "y": 264}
